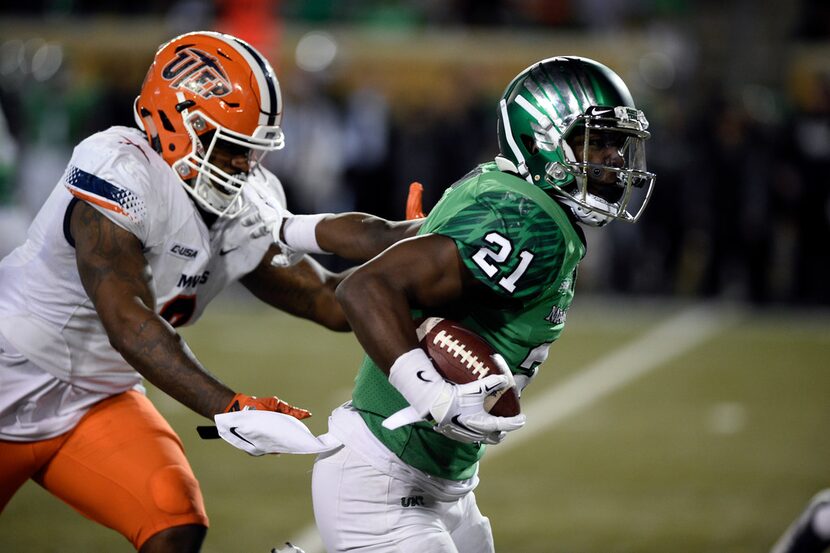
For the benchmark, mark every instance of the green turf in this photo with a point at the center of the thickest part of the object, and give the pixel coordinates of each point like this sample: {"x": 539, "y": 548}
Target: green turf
{"x": 714, "y": 452}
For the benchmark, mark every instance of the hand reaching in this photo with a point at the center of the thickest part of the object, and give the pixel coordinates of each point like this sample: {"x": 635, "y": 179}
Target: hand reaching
{"x": 242, "y": 402}
{"x": 268, "y": 217}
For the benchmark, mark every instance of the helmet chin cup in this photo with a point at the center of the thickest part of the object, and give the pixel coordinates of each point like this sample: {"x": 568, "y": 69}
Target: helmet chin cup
{"x": 214, "y": 200}
{"x": 592, "y": 210}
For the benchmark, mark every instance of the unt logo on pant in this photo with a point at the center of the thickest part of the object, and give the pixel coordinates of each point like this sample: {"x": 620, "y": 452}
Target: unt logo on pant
{"x": 412, "y": 501}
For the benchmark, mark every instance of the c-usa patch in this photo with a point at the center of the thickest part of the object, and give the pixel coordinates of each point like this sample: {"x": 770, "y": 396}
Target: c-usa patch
{"x": 184, "y": 252}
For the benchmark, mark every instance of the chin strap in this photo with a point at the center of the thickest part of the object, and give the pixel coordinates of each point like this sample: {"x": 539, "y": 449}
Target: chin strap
{"x": 586, "y": 215}
{"x": 224, "y": 205}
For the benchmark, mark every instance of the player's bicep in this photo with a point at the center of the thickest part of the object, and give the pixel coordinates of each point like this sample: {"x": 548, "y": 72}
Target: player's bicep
{"x": 112, "y": 267}
{"x": 378, "y": 297}
{"x": 427, "y": 269}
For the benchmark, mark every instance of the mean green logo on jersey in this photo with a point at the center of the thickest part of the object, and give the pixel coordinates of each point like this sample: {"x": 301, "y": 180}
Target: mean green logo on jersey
{"x": 557, "y": 315}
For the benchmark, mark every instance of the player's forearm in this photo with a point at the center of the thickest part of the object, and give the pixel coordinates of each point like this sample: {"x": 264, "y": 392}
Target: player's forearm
{"x": 359, "y": 236}
{"x": 161, "y": 356}
{"x": 304, "y": 290}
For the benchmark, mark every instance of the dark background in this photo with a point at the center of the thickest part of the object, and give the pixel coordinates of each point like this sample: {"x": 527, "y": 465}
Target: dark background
{"x": 382, "y": 93}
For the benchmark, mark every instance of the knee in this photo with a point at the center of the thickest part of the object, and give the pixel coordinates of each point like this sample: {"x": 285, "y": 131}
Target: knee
{"x": 178, "y": 539}
{"x": 176, "y": 521}
{"x": 175, "y": 490}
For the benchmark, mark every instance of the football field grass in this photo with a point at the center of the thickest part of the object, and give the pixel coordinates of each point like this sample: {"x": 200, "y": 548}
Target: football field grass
{"x": 648, "y": 434}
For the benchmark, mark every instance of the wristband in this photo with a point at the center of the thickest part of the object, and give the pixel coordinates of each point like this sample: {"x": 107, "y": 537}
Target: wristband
{"x": 299, "y": 232}
{"x": 237, "y": 403}
{"x": 415, "y": 377}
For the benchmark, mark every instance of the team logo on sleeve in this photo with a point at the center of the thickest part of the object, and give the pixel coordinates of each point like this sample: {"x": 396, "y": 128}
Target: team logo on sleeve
{"x": 557, "y": 315}
{"x": 197, "y": 72}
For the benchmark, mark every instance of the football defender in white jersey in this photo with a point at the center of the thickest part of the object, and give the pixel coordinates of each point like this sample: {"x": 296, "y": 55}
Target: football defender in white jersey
{"x": 143, "y": 230}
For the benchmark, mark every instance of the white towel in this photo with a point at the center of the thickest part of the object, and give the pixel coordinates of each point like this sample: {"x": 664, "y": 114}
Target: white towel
{"x": 261, "y": 432}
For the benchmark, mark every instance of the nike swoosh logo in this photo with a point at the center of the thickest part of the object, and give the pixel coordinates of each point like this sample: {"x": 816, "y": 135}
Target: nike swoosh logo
{"x": 240, "y": 436}
{"x": 419, "y": 373}
{"x": 229, "y": 250}
{"x": 488, "y": 389}
{"x": 456, "y": 421}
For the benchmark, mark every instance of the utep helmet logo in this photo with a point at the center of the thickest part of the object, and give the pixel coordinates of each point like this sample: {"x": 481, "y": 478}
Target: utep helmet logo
{"x": 197, "y": 72}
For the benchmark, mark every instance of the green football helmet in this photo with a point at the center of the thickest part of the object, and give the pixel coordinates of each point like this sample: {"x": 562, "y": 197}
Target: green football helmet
{"x": 569, "y": 125}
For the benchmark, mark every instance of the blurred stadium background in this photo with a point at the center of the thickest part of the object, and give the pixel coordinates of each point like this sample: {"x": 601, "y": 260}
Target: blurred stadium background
{"x": 687, "y": 403}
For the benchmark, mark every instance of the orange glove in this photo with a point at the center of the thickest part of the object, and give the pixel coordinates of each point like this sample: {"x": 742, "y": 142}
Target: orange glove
{"x": 414, "y": 202}
{"x": 242, "y": 402}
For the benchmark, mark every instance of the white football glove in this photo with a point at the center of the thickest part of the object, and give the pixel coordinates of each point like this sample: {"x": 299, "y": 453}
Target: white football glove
{"x": 467, "y": 421}
{"x": 268, "y": 217}
{"x": 458, "y": 409}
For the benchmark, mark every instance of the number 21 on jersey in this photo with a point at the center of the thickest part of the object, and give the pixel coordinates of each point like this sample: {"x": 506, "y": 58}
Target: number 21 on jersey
{"x": 491, "y": 259}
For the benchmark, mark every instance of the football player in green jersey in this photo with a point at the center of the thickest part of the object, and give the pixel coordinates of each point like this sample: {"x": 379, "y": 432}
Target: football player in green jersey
{"x": 499, "y": 254}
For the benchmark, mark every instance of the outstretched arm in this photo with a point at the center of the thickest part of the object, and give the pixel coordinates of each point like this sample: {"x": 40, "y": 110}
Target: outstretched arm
{"x": 355, "y": 236}
{"x": 359, "y": 236}
{"x": 117, "y": 279}
{"x": 305, "y": 289}
{"x": 289, "y": 280}
{"x": 298, "y": 284}
{"x": 374, "y": 234}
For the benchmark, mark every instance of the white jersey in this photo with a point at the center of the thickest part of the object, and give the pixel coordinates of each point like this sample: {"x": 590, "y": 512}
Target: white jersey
{"x": 46, "y": 315}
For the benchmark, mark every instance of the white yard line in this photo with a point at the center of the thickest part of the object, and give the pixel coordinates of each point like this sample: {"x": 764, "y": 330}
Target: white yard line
{"x": 668, "y": 340}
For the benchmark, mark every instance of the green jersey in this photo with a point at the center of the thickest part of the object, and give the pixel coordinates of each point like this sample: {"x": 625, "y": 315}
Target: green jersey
{"x": 519, "y": 242}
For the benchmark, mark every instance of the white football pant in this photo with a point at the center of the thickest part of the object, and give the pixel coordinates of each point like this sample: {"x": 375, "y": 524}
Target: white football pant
{"x": 360, "y": 509}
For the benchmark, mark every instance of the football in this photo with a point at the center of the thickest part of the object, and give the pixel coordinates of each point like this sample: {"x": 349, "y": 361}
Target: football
{"x": 462, "y": 356}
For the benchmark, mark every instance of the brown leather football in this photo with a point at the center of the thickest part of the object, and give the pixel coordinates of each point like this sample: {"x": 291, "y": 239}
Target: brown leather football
{"x": 462, "y": 356}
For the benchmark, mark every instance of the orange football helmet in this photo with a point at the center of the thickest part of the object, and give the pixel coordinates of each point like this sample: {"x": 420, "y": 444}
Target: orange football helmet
{"x": 208, "y": 90}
